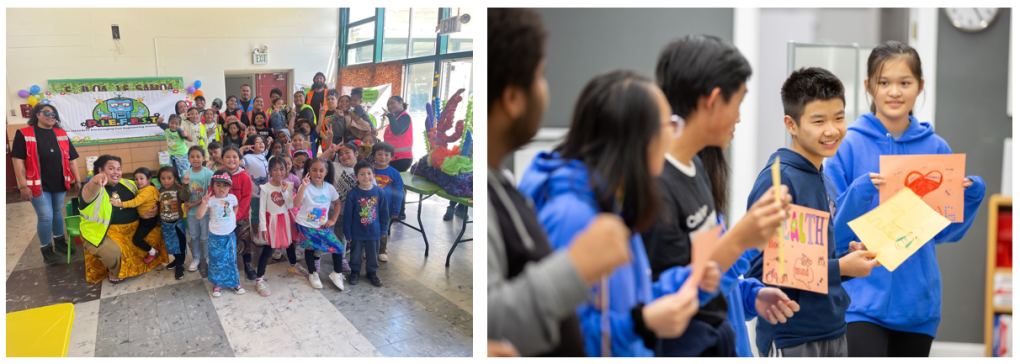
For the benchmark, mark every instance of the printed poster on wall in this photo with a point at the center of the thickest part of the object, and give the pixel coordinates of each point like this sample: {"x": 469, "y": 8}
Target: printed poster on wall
{"x": 97, "y": 116}
{"x": 936, "y": 178}
{"x": 805, "y": 239}
{"x": 114, "y": 109}
{"x": 374, "y": 101}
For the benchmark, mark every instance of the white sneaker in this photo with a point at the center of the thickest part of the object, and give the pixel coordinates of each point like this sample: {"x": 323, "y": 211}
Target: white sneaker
{"x": 216, "y": 292}
{"x": 313, "y": 278}
{"x": 239, "y": 290}
{"x": 382, "y": 257}
{"x": 338, "y": 279}
{"x": 277, "y": 254}
{"x": 194, "y": 265}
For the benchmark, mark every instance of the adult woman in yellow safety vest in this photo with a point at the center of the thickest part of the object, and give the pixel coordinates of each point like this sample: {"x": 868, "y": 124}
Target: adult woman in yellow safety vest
{"x": 108, "y": 230}
{"x": 44, "y": 164}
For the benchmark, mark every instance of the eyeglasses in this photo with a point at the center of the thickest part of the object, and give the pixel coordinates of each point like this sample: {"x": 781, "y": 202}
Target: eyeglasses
{"x": 677, "y": 123}
{"x": 49, "y": 114}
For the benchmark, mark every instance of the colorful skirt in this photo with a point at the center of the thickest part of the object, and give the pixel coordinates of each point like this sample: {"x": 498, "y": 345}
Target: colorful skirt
{"x": 181, "y": 161}
{"x": 130, "y": 256}
{"x": 243, "y": 233}
{"x": 223, "y": 261}
{"x": 170, "y": 237}
{"x": 321, "y": 239}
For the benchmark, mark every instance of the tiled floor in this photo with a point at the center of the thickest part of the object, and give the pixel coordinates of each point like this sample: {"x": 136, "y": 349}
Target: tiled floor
{"x": 423, "y": 308}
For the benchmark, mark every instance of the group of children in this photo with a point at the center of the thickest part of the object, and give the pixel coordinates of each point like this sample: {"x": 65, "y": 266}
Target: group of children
{"x": 273, "y": 193}
{"x": 655, "y": 158}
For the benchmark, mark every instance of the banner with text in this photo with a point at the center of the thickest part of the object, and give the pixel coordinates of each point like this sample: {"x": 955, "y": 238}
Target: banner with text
{"x": 96, "y": 116}
{"x": 82, "y": 85}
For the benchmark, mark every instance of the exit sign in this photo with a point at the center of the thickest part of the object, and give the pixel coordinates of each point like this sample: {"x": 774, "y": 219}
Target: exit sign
{"x": 259, "y": 58}
{"x": 449, "y": 25}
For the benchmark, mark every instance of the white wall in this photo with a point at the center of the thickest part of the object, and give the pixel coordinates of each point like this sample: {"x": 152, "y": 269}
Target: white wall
{"x": 196, "y": 44}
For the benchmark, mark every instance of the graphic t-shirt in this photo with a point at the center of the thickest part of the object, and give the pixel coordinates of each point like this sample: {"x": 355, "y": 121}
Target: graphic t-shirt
{"x": 175, "y": 143}
{"x": 221, "y": 215}
{"x": 258, "y": 168}
{"x": 170, "y": 199}
{"x": 199, "y": 184}
{"x": 315, "y": 208}
{"x": 343, "y": 180}
{"x": 366, "y": 214}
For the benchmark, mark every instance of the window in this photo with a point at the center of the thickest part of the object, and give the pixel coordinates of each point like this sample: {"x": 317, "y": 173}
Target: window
{"x": 360, "y": 55}
{"x": 361, "y": 33}
{"x": 360, "y": 14}
{"x": 418, "y": 88}
{"x": 418, "y": 91}
{"x": 456, "y": 74}
{"x": 397, "y": 27}
{"x": 423, "y": 31}
{"x": 461, "y": 41}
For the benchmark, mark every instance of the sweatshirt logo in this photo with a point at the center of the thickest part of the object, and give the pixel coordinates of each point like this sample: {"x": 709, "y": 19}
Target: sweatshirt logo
{"x": 698, "y": 217}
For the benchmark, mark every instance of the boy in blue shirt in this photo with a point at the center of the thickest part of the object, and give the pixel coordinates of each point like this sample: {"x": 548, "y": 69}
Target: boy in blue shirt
{"x": 367, "y": 216}
{"x": 814, "y": 105}
{"x": 389, "y": 180}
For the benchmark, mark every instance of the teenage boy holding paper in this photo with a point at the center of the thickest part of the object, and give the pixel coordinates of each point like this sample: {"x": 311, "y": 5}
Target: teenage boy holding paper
{"x": 814, "y": 105}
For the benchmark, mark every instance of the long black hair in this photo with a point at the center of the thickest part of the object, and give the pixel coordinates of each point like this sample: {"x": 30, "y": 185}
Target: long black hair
{"x": 718, "y": 171}
{"x": 328, "y": 179}
{"x": 888, "y": 50}
{"x": 176, "y": 108}
{"x": 614, "y": 121}
{"x": 38, "y": 109}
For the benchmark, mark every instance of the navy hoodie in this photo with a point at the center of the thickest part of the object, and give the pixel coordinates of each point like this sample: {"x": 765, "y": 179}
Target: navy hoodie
{"x": 910, "y": 298}
{"x": 565, "y": 202}
{"x": 821, "y": 316}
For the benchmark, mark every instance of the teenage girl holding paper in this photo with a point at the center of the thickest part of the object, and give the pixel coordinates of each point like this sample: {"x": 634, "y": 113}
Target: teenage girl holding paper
{"x": 892, "y": 313}
{"x": 615, "y": 148}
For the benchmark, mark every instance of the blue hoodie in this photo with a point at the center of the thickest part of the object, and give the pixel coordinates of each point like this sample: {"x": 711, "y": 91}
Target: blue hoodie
{"x": 566, "y": 204}
{"x": 821, "y": 316}
{"x": 740, "y": 297}
{"x": 909, "y": 299}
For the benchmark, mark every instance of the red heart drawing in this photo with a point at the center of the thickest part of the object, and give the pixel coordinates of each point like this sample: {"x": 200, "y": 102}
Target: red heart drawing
{"x": 923, "y": 184}
{"x": 277, "y": 198}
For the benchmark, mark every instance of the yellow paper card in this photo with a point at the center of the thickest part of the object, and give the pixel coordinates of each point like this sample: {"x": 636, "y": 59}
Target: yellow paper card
{"x": 897, "y": 228}
{"x": 776, "y": 180}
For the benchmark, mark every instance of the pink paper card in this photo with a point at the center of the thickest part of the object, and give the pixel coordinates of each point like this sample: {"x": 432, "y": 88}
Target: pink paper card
{"x": 936, "y": 178}
{"x": 702, "y": 245}
{"x": 805, "y": 252}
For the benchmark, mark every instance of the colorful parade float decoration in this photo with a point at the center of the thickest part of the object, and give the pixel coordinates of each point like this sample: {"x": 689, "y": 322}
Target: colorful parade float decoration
{"x": 449, "y": 168}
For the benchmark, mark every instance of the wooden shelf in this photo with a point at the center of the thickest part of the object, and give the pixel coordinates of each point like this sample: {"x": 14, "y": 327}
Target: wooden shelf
{"x": 996, "y": 204}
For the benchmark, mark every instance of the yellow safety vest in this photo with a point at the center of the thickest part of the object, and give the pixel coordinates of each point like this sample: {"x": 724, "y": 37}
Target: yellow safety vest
{"x": 95, "y": 218}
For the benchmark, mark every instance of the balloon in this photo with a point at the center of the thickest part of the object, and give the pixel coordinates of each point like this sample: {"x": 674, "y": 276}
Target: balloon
{"x": 23, "y": 94}
{"x": 199, "y": 93}
{"x": 191, "y": 89}
{"x": 32, "y": 100}
{"x": 34, "y": 89}
{"x": 198, "y": 84}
